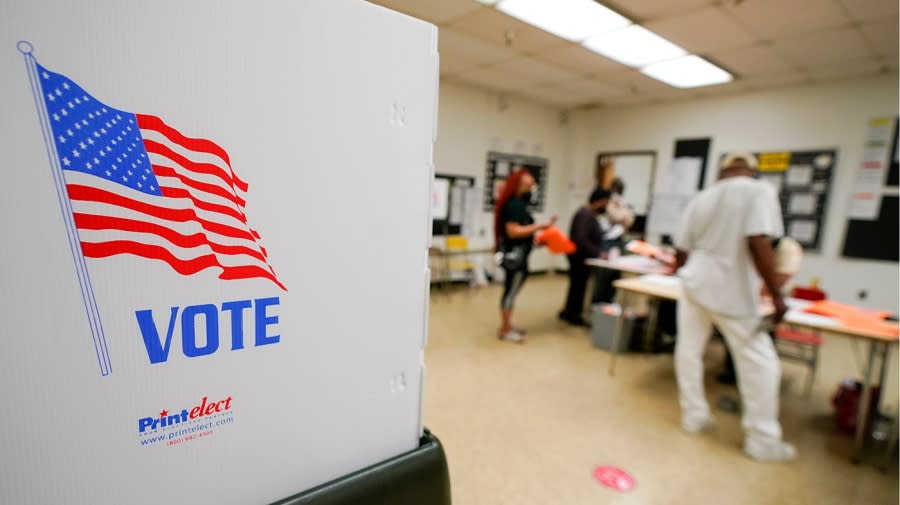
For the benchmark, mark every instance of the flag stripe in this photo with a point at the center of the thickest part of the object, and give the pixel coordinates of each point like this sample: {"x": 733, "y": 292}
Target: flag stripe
{"x": 194, "y": 156}
{"x": 155, "y": 147}
{"x": 164, "y": 171}
{"x": 155, "y": 123}
{"x": 184, "y": 228}
{"x": 184, "y": 267}
{"x": 93, "y": 222}
{"x": 79, "y": 192}
{"x": 202, "y": 204}
{"x": 177, "y": 204}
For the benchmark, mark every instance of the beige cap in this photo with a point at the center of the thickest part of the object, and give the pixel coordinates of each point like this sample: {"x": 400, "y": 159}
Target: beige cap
{"x": 733, "y": 157}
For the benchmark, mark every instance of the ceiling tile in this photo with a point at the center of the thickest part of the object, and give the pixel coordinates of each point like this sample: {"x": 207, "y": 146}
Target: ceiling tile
{"x": 777, "y": 19}
{"x": 646, "y": 10}
{"x": 637, "y": 83}
{"x": 845, "y": 71}
{"x": 456, "y": 44}
{"x": 492, "y": 78}
{"x": 777, "y": 80}
{"x": 493, "y": 26}
{"x": 703, "y": 31}
{"x": 814, "y": 49}
{"x": 454, "y": 63}
{"x": 629, "y": 100}
{"x": 729, "y": 88}
{"x": 866, "y": 10}
{"x": 882, "y": 37}
{"x": 551, "y": 95}
{"x": 535, "y": 71}
{"x": 436, "y": 11}
{"x": 593, "y": 88}
{"x": 751, "y": 61}
{"x": 579, "y": 60}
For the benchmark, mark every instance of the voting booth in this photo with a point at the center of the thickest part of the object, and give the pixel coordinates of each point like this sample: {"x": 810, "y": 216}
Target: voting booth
{"x": 192, "y": 196}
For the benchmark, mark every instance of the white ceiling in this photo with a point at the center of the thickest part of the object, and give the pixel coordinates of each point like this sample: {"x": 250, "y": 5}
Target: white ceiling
{"x": 765, "y": 43}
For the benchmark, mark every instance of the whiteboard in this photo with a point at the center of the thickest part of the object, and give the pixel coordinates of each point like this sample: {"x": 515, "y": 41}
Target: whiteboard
{"x": 636, "y": 171}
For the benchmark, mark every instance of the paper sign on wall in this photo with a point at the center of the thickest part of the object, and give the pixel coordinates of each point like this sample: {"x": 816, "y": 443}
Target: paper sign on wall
{"x": 867, "y": 186}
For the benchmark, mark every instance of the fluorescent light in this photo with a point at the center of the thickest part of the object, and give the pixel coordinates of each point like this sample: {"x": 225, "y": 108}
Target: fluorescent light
{"x": 570, "y": 19}
{"x": 634, "y": 46}
{"x": 688, "y": 72}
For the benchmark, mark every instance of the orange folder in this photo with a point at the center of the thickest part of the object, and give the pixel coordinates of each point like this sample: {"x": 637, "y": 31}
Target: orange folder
{"x": 556, "y": 241}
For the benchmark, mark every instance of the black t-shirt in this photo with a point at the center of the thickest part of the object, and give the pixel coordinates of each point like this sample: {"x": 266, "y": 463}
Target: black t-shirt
{"x": 515, "y": 211}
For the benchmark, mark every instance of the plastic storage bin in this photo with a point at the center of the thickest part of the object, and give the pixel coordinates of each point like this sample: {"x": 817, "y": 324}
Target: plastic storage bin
{"x": 603, "y": 323}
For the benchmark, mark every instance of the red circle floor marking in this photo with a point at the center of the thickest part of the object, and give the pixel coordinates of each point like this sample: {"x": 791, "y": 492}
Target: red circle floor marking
{"x": 614, "y": 478}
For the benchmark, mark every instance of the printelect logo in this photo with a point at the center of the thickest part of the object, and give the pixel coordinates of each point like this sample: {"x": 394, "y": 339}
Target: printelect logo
{"x": 186, "y": 425}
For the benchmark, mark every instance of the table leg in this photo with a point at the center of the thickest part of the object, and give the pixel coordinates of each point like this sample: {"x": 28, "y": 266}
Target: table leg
{"x": 621, "y": 297}
{"x": 652, "y": 322}
{"x": 891, "y": 444}
{"x": 862, "y": 415}
{"x": 882, "y": 376}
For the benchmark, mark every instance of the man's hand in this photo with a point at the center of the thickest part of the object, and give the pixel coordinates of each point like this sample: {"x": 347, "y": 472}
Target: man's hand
{"x": 780, "y": 310}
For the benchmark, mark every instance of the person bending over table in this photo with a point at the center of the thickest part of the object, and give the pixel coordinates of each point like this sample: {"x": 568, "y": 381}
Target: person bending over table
{"x": 588, "y": 240}
{"x": 723, "y": 249}
{"x": 514, "y": 230}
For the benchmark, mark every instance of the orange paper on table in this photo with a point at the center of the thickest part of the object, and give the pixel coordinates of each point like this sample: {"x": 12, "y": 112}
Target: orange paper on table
{"x": 837, "y": 310}
{"x": 651, "y": 251}
{"x": 856, "y": 318}
{"x": 869, "y": 325}
{"x": 556, "y": 241}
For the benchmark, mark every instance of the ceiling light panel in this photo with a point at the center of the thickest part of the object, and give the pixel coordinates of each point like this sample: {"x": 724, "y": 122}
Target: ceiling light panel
{"x": 687, "y": 72}
{"x": 634, "y": 46}
{"x": 573, "y": 20}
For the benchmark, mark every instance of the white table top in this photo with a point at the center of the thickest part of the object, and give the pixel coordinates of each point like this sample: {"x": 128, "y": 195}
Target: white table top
{"x": 669, "y": 288}
{"x": 632, "y": 264}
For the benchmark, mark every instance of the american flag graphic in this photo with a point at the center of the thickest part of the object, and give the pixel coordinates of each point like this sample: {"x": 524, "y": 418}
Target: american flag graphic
{"x": 137, "y": 186}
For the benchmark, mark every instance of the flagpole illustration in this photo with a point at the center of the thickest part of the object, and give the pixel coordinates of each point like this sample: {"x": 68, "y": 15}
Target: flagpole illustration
{"x": 84, "y": 279}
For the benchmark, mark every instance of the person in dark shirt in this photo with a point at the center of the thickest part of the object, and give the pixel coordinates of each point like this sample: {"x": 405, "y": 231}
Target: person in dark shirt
{"x": 588, "y": 240}
{"x": 514, "y": 230}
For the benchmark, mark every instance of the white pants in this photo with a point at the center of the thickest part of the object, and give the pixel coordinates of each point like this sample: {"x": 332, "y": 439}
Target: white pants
{"x": 755, "y": 361}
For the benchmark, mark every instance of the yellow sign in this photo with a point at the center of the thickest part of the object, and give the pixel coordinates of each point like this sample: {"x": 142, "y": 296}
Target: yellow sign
{"x": 774, "y": 162}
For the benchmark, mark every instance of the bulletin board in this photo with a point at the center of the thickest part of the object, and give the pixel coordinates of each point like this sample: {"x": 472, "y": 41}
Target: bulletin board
{"x": 803, "y": 181}
{"x": 448, "y": 203}
{"x": 498, "y": 166}
{"x": 873, "y": 230}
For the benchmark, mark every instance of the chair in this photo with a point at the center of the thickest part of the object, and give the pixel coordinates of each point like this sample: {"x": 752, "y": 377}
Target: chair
{"x": 800, "y": 346}
{"x": 459, "y": 266}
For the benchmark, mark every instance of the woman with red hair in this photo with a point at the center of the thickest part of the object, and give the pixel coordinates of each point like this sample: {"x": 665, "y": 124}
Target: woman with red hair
{"x": 514, "y": 230}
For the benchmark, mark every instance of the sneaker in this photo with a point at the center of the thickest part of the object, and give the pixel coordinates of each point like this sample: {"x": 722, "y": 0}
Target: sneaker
{"x": 512, "y": 336}
{"x": 693, "y": 427}
{"x": 770, "y": 450}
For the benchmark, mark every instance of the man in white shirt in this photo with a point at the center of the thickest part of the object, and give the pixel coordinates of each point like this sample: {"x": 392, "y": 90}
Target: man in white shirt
{"x": 724, "y": 247}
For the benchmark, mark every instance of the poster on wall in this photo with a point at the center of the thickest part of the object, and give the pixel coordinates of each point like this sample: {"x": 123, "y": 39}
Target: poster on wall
{"x": 678, "y": 185}
{"x": 176, "y": 326}
{"x": 802, "y": 180}
{"x": 865, "y": 204}
{"x": 451, "y": 203}
{"x": 498, "y": 166}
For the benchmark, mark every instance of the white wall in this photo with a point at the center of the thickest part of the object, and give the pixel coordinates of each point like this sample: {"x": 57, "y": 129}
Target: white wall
{"x": 820, "y": 116}
{"x": 471, "y": 123}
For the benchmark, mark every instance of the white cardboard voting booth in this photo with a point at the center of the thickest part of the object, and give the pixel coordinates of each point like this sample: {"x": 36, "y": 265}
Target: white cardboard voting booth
{"x": 214, "y": 266}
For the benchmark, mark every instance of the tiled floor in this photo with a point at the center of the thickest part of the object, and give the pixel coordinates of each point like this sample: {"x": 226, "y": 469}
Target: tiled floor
{"x": 526, "y": 424}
